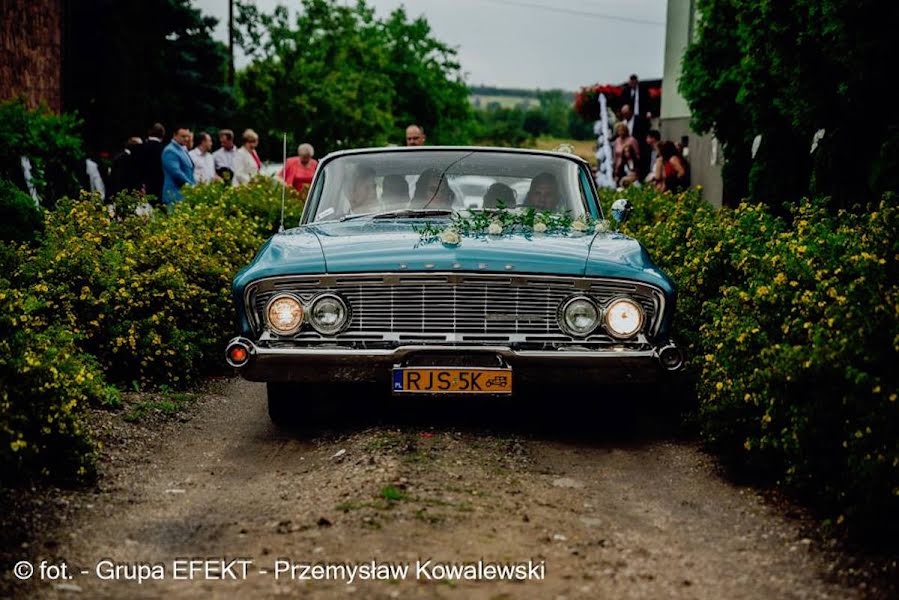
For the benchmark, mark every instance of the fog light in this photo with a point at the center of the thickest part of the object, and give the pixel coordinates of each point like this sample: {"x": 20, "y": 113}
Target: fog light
{"x": 671, "y": 358}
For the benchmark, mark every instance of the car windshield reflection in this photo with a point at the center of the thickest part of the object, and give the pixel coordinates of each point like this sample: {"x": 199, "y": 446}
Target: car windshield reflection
{"x": 406, "y": 184}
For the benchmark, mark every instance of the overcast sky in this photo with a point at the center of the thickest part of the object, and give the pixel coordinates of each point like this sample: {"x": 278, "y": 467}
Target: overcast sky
{"x": 530, "y": 43}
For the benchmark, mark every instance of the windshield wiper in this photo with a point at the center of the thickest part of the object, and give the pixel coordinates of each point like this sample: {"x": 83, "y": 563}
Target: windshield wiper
{"x": 407, "y": 213}
{"x": 351, "y": 217}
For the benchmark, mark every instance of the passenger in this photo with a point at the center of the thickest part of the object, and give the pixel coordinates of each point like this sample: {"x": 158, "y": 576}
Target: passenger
{"x": 543, "y": 193}
{"x": 499, "y": 193}
{"x": 362, "y": 195}
{"x": 395, "y": 192}
{"x": 432, "y": 191}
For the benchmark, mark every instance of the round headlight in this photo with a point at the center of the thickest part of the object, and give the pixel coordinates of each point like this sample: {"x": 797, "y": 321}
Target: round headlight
{"x": 624, "y": 318}
{"x": 284, "y": 314}
{"x": 328, "y": 314}
{"x": 579, "y": 316}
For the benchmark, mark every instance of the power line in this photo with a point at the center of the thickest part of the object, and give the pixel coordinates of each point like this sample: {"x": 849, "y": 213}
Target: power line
{"x": 580, "y": 13}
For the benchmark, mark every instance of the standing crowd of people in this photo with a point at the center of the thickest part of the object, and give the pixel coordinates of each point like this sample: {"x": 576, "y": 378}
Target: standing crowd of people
{"x": 159, "y": 169}
{"x": 641, "y": 157}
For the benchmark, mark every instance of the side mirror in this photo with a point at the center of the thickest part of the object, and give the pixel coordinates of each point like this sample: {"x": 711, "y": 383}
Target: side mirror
{"x": 621, "y": 210}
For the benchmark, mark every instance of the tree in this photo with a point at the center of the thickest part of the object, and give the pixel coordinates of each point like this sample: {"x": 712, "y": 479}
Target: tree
{"x": 338, "y": 77}
{"x": 427, "y": 80}
{"x": 785, "y": 71}
{"x": 130, "y": 64}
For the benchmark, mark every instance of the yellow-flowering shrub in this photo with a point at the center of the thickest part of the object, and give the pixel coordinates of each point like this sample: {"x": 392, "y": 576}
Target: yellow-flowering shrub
{"x": 122, "y": 298}
{"x": 793, "y": 334}
{"x": 46, "y": 384}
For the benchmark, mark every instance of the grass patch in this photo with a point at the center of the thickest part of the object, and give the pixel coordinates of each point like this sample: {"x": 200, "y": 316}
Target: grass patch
{"x": 393, "y": 494}
{"x": 167, "y": 405}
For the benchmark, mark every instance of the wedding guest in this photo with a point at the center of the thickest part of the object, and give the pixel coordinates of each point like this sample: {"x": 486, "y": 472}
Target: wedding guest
{"x": 675, "y": 172}
{"x": 124, "y": 174}
{"x": 637, "y": 97}
{"x": 224, "y": 156}
{"x": 415, "y": 135}
{"x": 149, "y": 159}
{"x": 623, "y": 138}
{"x": 246, "y": 162}
{"x": 204, "y": 164}
{"x": 299, "y": 170}
{"x": 629, "y": 170}
{"x": 653, "y": 137}
{"x": 178, "y": 169}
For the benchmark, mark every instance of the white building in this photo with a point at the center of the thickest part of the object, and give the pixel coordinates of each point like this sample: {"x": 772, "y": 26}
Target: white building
{"x": 705, "y": 153}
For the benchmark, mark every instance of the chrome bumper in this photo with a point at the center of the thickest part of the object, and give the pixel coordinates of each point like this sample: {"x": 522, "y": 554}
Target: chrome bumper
{"x": 338, "y": 364}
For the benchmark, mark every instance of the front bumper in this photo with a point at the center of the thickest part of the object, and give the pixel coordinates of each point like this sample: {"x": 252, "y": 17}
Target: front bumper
{"x": 342, "y": 364}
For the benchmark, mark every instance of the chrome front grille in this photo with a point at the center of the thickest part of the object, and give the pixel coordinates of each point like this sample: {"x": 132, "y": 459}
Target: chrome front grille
{"x": 467, "y": 307}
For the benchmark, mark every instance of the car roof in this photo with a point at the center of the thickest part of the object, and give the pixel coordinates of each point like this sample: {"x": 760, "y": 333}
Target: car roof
{"x": 492, "y": 149}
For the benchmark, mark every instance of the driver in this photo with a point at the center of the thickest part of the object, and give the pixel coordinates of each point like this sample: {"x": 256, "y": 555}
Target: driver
{"x": 543, "y": 193}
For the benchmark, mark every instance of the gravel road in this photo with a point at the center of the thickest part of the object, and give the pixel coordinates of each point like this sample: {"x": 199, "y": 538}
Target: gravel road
{"x": 606, "y": 514}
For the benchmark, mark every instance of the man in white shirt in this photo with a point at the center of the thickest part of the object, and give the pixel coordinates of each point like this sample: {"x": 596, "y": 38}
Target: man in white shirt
{"x": 224, "y": 156}
{"x": 204, "y": 163}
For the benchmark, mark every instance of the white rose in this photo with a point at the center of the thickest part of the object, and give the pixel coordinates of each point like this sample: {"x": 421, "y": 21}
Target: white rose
{"x": 495, "y": 228}
{"x": 578, "y": 225}
{"x": 539, "y": 227}
{"x": 601, "y": 226}
{"x": 450, "y": 237}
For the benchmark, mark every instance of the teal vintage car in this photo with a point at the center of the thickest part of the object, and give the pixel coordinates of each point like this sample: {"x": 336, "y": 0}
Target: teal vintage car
{"x": 450, "y": 270}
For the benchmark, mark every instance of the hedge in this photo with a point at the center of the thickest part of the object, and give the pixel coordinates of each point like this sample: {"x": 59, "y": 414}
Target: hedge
{"x": 117, "y": 299}
{"x": 792, "y": 327}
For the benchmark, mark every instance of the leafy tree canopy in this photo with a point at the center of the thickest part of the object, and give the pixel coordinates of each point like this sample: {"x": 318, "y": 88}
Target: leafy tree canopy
{"x": 785, "y": 70}
{"x": 337, "y": 76}
{"x": 130, "y": 64}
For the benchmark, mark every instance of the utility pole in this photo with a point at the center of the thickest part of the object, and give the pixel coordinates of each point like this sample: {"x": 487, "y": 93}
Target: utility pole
{"x": 231, "y": 43}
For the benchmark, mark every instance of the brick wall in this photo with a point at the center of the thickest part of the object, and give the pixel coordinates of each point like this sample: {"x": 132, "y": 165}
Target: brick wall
{"x": 31, "y": 51}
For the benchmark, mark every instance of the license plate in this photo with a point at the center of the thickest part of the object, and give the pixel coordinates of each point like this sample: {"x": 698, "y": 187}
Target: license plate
{"x": 436, "y": 380}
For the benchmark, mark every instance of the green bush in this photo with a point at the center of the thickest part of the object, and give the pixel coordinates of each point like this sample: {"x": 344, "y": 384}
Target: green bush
{"x": 20, "y": 219}
{"x": 148, "y": 297}
{"x": 46, "y": 384}
{"x": 50, "y": 142}
{"x": 260, "y": 200}
{"x": 792, "y": 330}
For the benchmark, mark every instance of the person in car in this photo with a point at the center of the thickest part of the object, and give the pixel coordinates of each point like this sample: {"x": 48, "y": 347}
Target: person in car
{"x": 543, "y": 193}
{"x": 499, "y": 193}
{"x": 395, "y": 192}
{"x": 362, "y": 194}
{"x": 432, "y": 191}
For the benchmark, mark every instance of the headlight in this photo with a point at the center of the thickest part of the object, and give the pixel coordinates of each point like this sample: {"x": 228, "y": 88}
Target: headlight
{"x": 284, "y": 314}
{"x": 328, "y": 314}
{"x": 579, "y": 316}
{"x": 624, "y": 318}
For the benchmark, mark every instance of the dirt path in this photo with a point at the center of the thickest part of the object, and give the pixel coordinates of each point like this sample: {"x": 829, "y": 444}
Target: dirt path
{"x": 620, "y": 519}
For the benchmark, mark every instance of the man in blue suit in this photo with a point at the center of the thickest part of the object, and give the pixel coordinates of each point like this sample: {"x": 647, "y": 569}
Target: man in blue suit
{"x": 177, "y": 167}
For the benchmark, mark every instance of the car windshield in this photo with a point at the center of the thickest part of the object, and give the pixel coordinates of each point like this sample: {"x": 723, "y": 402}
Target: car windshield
{"x": 414, "y": 184}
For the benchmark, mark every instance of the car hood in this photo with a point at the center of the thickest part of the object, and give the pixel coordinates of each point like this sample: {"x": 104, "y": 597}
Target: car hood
{"x": 353, "y": 247}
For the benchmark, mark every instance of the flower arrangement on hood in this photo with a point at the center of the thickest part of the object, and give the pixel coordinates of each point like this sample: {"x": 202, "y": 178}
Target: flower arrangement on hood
{"x": 501, "y": 221}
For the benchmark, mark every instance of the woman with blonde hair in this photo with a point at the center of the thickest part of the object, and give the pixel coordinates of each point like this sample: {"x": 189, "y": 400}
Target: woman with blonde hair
{"x": 246, "y": 162}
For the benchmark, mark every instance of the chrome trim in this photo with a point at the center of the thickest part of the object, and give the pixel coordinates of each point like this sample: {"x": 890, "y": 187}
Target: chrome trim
{"x": 394, "y": 278}
{"x": 612, "y": 332}
{"x": 268, "y": 306}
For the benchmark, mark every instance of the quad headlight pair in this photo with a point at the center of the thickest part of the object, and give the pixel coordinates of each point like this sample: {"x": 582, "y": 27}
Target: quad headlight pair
{"x": 326, "y": 313}
{"x": 580, "y": 316}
